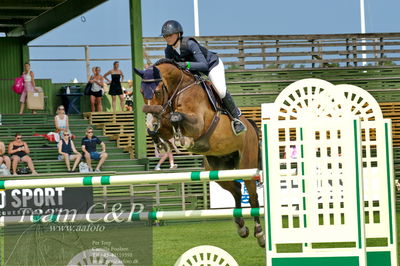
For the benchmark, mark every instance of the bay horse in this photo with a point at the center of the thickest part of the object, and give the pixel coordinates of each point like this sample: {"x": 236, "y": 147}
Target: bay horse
{"x": 177, "y": 106}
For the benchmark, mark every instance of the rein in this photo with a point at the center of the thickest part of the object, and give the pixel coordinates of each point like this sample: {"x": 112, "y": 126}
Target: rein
{"x": 178, "y": 91}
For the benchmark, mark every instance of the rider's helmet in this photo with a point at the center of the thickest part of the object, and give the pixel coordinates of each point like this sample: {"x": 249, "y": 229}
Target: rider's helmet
{"x": 171, "y": 27}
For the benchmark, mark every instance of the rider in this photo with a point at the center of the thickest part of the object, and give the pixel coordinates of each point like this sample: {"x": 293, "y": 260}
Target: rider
{"x": 189, "y": 54}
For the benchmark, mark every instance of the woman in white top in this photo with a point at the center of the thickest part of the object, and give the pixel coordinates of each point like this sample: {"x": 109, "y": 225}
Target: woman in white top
{"x": 96, "y": 93}
{"x": 29, "y": 85}
{"x": 61, "y": 121}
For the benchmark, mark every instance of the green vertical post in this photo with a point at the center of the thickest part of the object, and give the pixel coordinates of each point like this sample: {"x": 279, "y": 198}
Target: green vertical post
{"x": 135, "y": 11}
{"x": 25, "y": 54}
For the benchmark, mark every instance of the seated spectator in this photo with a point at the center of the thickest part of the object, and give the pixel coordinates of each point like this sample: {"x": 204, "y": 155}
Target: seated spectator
{"x": 68, "y": 152}
{"x": 4, "y": 158}
{"x": 61, "y": 121}
{"x": 89, "y": 150}
{"x": 19, "y": 151}
{"x": 129, "y": 97}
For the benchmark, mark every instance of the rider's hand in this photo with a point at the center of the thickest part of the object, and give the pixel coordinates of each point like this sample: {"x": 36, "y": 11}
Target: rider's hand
{"x": 182, "y": 65}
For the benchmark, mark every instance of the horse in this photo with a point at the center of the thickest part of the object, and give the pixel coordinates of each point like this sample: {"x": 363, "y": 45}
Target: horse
{"x": 176, "y": 105}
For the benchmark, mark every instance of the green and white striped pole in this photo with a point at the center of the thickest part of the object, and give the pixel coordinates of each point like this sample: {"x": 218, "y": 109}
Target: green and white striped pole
{"x": 135, "y": 216}
{"x": 224, "y": 175}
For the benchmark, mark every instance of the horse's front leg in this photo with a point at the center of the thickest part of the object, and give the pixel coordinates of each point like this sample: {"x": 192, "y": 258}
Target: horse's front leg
{"x": 185, "y": 128}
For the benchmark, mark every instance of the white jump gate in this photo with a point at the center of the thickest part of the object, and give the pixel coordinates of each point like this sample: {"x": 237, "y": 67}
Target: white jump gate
{"x": 337, "y": 195}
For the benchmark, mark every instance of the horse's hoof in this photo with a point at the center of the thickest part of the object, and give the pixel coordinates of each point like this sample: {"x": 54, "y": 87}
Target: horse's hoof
{"x": 176, "y": 118}
{"x": 243, "y": 232}
{"x": 260, "y": 239}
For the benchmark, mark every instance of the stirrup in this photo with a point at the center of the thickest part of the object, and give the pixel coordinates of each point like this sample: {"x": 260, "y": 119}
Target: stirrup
{"x": 233, "y": 127}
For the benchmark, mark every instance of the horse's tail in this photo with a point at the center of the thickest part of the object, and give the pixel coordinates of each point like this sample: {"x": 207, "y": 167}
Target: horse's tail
{"x": 259, "y": 156}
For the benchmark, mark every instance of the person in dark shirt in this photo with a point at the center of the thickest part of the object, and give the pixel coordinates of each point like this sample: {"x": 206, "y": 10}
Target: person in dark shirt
{"x": 19, "y": 151}
{"x": 89, "y": 144}
{"x": 68, "y": 152}
{"x": 190, "y": 55}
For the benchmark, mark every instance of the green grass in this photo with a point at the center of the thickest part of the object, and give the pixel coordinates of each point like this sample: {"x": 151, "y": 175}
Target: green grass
{"x": 173, "y": 239}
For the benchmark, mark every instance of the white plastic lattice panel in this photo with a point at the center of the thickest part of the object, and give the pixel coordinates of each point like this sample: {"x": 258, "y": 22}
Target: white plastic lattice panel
{"x": 315, "y": 98}
{"x": 206, "y": 255}
{"x": 314, "y": 196}
{"x": 359, "y": 103}
{"x": 308, "y": 98}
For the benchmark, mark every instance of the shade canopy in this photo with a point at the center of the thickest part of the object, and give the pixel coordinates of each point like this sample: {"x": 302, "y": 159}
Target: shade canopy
{"x": 32, "y": 19}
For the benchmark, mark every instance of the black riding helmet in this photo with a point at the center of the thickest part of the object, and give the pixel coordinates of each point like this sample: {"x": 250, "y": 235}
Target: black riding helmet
{"x": 171, "y": 27}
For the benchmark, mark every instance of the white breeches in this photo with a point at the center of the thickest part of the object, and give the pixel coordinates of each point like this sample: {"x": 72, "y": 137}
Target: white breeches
{"x": 217, "y": 77}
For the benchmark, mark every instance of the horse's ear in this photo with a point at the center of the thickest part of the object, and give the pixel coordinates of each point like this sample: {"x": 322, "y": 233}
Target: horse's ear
{"x": 139, "y": 72}
{"x": 156, "y": 73}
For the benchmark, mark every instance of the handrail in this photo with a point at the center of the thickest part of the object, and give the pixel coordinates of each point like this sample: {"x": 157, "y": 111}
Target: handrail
{"x": 270, "y": 51}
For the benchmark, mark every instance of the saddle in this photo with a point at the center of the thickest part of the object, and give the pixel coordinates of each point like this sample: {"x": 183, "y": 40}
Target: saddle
{"x": 213, "y": 97}
{"x": 202, "y": 143}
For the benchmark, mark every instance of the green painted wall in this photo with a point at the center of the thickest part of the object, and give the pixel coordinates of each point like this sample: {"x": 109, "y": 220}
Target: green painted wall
{"x": 12, "y": 55}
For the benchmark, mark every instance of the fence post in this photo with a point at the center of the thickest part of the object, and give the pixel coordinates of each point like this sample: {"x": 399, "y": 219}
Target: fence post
{"x": 354, "y": 40}
{"x": 158, "y": 201}
{"x": 382, "y": 53}
{"x": 241, "y": 54}
{"x": 183, "y": 196}
{"x": 105, "y": 198}
{"x": 264, "y": 54}
{"x": 312, "y": 53}
{"x": 205, "y": 195}
{"x": 87, "y": 61}
{"x": 348, "y": 52}
{"x": 131, "y": 194}
{"x": 277, "y": 51}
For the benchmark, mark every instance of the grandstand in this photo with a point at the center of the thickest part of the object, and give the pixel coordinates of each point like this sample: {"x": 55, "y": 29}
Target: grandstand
{"x": 249, "y": 87}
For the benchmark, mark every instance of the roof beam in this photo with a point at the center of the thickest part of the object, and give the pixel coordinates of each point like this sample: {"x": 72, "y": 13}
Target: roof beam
{"x": 29, "y": 4}
{"x": 2, "y": 16}
{"x": 19, "y": 14}
{"x": 11, "y": 25}
{"x": 57, "y": 16}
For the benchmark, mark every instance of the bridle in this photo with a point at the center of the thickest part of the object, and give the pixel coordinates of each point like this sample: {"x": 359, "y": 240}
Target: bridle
{"x": 168, "y": 101}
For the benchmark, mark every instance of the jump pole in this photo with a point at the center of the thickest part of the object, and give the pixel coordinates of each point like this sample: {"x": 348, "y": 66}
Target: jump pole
{"x": 224, "y": 175}
{"x": 137, "y": 216}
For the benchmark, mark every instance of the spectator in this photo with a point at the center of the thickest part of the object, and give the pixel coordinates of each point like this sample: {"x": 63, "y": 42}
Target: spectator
{"x": 68, "y": 152}
{"x": 129, "y": 97}
{"x": 61, "y": 121}
{"x": 4, "y": 158}
{"x": 89, "y": 143}
{"x": 19, "y": 151}
{"x": 169, "y": 155}
{"x": 115, "y": 85}
{"x": 29, "y": 86}
{"x": 96, "y": 92}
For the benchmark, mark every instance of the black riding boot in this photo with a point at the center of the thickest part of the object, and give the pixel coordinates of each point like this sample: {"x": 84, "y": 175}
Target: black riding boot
{"x": 237, "y": 126}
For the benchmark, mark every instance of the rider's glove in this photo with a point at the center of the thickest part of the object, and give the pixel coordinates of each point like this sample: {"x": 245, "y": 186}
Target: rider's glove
{"x": 183, "y": 65}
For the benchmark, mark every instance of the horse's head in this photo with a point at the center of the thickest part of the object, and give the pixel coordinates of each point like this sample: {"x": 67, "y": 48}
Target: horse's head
{"x": 151, "y": 85}
{"x": 158, "y": 83}
{"x": 151, "y": 89}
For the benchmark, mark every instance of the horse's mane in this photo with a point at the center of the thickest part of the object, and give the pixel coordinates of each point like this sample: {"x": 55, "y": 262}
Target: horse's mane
{"x": 166, "y": 61}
